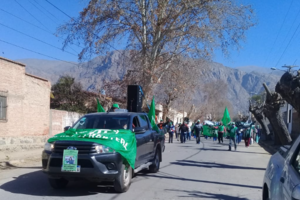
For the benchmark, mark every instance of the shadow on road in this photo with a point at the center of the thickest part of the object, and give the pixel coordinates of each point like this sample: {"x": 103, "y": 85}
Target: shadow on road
{"x": 198, "y": 194}
{"x": 212, "y": 149}
{"x": 173, "y": 177}
{"x": 36, "y": 184}
{"x": 192, "y": 163}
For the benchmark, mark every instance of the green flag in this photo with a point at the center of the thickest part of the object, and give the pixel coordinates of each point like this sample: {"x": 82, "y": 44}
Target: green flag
{"x": 99, "y": 107}
{"x": 151, "y": 116}
{"x": 121, "y": 141}
{"x": 226, "y": 117}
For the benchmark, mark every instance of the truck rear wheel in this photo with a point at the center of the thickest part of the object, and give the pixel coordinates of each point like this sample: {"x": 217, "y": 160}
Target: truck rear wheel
{"x": 58, "y": 183}
{"x": 154, "y": 167}
{"x": 123, "y": 181}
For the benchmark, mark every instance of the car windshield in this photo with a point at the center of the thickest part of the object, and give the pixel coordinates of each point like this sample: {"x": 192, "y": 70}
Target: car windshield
{"x": 102, "y": 122}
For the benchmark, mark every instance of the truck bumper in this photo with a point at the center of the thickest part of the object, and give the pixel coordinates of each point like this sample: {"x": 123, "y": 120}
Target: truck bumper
{"x": 94, "y": 167}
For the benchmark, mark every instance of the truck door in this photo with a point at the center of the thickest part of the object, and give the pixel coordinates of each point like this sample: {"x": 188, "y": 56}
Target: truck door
{"x": 140, "y": 143}
{"x": 148, "y": 136}
{"x": 290, "y": 176}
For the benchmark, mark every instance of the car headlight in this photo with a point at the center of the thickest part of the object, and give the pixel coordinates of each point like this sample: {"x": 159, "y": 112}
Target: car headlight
{"x": 104, "y": 149}
{"x": 48, "y": 147}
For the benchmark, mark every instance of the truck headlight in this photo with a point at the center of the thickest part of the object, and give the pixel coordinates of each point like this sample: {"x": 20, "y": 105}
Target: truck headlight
{"x": 48, "y": 147}
{"x": 104, "y": 149}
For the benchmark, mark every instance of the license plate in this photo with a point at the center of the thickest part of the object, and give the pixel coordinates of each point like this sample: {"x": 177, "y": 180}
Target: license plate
{"x": 69, "y": 161}
{"x": 78, "y": 169}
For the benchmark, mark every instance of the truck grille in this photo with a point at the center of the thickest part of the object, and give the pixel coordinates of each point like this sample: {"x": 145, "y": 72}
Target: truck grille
{"x": 82, "y": 147}
{"x": 57, "y": 162}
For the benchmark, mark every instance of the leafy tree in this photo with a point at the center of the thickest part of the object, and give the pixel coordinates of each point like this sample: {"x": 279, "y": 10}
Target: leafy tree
{"x": 68, "y": 95}
{"x": 157, "y": 31}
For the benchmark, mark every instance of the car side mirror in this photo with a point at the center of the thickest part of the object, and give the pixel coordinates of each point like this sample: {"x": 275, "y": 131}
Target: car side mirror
{"x": 139, "y": 130}
{"x": 67, "y": 128}
{"x": 296, "y": 193}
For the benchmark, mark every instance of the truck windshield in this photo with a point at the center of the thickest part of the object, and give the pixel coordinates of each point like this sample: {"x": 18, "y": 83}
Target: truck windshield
{"x": 102, "y": 122}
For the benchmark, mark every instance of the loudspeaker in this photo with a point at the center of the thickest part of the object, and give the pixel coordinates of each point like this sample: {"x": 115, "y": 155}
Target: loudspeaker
{"x": 134, "y": 98}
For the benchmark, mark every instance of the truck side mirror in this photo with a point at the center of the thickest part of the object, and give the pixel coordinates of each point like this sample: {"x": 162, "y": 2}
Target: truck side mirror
{"x": 67, "y": 128}
{"x": 296, "y": 193}
{"x": 139, "y": 130}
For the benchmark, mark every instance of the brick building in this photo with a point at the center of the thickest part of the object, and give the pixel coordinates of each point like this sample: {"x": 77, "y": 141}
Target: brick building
{"x": 24, "y": 105}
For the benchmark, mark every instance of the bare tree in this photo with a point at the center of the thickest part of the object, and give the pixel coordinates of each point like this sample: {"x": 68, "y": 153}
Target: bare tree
{"x": 215, "y": 99}
{"x": 256, "y": 107}
{"x": 289, "y": 88}
{"x": 159, "y": 30}
{"x": 178, "y": 85}
{"x": 271, "y": 111}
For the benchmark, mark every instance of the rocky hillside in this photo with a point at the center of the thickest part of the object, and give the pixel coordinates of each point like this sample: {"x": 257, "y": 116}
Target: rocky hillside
{"x": 241, "y": 82}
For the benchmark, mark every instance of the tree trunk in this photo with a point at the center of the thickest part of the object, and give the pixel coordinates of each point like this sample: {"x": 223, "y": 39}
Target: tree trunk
{"x": 166, "y": 110}
{"x": 257, "y": 111}
{"x": 279, "y": 126}
{"x": 190, "y": 112}
{"x": 271, "y": 111}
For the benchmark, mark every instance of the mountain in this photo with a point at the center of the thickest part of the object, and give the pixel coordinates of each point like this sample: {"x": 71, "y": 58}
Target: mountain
{"x": 260, "y": 70}
{"x": 242, "y": 82}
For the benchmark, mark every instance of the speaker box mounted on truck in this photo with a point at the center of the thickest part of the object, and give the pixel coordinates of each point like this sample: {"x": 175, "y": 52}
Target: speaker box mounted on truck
{"x": 134, "y": 98}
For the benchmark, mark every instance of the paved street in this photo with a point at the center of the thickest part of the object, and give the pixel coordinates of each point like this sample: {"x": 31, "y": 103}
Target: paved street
{"x": 188, "y": 171}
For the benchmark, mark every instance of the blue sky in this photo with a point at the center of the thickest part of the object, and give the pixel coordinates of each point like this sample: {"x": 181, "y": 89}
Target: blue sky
{"x": 273, "y": 42}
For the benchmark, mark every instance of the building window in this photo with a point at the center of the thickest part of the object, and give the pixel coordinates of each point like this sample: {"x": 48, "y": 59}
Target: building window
{"x": 3, "y": 106}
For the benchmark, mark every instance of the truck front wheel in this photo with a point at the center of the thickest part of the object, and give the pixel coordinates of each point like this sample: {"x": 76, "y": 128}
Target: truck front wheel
{"x": 154, "y": 167}
{"x": 123, "y": 181}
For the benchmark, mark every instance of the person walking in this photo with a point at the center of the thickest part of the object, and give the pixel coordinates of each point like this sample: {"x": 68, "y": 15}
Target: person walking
{"x": 247, "y": 136}
{"x": 197, "y": 130}
{"x": 160, "y": 125}
{"x": 238, "y": 136}
{"x": 183, "y": 132}
{"x": 232, "y": 136}
{"x": 171, "y": 130}
{"x": 221, "y": 131}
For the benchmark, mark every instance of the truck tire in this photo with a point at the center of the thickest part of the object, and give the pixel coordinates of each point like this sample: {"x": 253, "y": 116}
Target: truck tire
{"x": 58, "y": 183}
{"x": 123, "y": 181}
{"x": 154, "y": 167}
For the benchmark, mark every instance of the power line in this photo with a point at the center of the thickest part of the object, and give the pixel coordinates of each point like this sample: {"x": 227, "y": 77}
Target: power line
{"x": 92, "y": 33}
{"x": 31, "y": 14}
{"x": 36, "y": 27}
{"x": 288, "y": 44}
{"x": 26, "y": 21}
{"x": 58, "y": 9}
{"x": 37, "y": 39}
{"x": 42, "y": 12}
{"x": 45, "y": 9}
{"x": 37, "y": 52}
{"x": 279, "y": 31}
{"x": 282, "y": 45}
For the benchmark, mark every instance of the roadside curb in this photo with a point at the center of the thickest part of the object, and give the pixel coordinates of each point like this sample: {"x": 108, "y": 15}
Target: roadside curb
{"x": 17, "y": 159}
{"x": 270, "y": 148}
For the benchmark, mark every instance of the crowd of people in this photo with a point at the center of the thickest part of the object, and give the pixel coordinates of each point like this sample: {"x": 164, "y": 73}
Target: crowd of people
{"x": 234, "y": 132}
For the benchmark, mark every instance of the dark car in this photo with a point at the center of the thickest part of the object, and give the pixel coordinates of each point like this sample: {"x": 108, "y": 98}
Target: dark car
{"x": 108, "y": 165}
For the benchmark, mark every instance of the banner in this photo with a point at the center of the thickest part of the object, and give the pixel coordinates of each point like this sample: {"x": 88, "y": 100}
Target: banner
{"x": 151, "y": 116}
{"x": 122, "y": 141}
{"x": 226, "y": 119}
{"x": 99, "y": 107}
{"x": 210, "y": 131}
